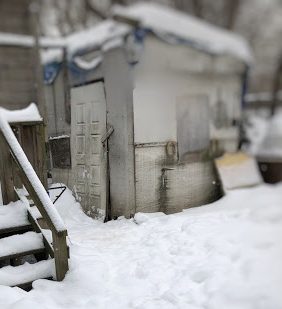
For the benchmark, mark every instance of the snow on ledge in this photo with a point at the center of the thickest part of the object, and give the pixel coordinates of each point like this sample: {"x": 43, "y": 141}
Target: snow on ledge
{"x": 28, "y": 114}
{"x": 22, "y": 40}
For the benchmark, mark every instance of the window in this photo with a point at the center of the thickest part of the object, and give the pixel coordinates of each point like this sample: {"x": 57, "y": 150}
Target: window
{"x": 60, "y": 151}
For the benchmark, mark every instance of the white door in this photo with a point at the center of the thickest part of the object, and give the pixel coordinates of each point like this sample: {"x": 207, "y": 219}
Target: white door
{"x": 89, "y": 154}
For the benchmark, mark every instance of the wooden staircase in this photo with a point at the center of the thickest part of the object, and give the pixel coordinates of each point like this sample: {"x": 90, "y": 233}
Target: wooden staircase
{"x": 27, "y": 251}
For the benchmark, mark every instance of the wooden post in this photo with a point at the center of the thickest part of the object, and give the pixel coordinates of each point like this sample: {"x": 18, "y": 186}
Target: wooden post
{"x": 41, "y": 153}
{"x": 60, "y": 254}
{"x": 66, "y": 87}
{"x": 6, "y": 172}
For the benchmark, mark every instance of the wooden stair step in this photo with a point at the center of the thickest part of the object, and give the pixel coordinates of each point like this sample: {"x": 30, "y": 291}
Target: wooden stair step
{"x": 27, "y": 286}
{"x": 25, "y": 274}
{"x": 21, "y": 245}
{"x": 13, "y": 215}
{"x": 20, "y": 229}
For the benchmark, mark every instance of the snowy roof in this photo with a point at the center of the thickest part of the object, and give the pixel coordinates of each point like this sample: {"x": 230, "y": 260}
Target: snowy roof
{"x": 165, "y": 20}
{"x": 30, "y": 113}
{"x": 94, "y": 37}
{"x": 87, "y": 39}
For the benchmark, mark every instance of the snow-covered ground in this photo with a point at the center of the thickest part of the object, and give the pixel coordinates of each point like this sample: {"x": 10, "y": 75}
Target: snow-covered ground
{"x": 224, "y": 255}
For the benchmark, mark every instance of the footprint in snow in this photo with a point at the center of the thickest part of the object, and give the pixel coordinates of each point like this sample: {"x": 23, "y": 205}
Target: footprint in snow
{"x": 200, "y": 276}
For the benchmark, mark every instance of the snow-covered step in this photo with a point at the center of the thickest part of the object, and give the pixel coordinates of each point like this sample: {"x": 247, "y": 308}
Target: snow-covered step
{"x": 23, "y": 275}
{"x": 13, "y": 215}
{"x": 35, "y": 213}
{"x": 15, "y": 230}
{"x": 21, "y": 245}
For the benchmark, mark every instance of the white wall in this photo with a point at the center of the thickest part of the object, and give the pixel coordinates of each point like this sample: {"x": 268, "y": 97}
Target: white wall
{"x": 166, "y": 73}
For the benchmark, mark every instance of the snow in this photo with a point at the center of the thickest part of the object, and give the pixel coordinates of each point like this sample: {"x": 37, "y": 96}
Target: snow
{"x": 256, "y": 129}
{"x": 112, "y": 44}
{"x": 271, "y": 146}
{"x": 20, "y": 243}
{"x": 96, "y": 36}
{"x": 88, "y": 65}
{"x": 12, "y": 39}
{"x": 6, "y": 116}
{"x": 87, "y": 40}
{"x": 224, "y": 255}
{"x": 51, "y": 55}
{"x": 26, "y": 273}
{"x": 28, "y": 114}
{"x": 142, "y": 217}
{"x": 265, "y": 136}
{"x": 59, "y": 137}
{"x": 13, "y": 215}
{"x": 163, "y": 20}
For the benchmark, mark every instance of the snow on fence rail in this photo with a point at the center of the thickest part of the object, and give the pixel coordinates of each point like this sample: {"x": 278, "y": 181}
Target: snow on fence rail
{"x": 29, "y": 114}
{"x": 35, "y": 187}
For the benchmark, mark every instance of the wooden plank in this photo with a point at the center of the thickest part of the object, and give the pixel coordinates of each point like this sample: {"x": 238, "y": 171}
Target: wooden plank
{"x": 231, "y": 167}
{"x": 61, "y": 254}
{"x": 33, "y": 194}
{"x": 14, "y": 16}
{"x": 15, "y": 230}
{"x": 36, "y": 226}
{"x": 59, "y": 237}
{"x": 37, "y": 229}
{"x": 41, "y": 158}
{"x": 21, "y": 254}
{"x": 27, "y": 286}
{"x": 6, "y": 175}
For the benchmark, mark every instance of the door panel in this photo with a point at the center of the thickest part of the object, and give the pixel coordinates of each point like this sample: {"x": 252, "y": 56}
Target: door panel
{"x": 89, "y": 154}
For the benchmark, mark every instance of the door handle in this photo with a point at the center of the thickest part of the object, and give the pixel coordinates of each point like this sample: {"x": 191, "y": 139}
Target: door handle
{"x": 107, "y": 135}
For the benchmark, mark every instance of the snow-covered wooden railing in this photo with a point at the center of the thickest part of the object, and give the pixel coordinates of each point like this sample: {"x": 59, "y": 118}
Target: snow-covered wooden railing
{"x": 33, "y": 185}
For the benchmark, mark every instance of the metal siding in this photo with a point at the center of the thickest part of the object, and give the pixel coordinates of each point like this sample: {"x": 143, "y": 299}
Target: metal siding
{"x": 192, "y": 116}
{"x": 177, "y": 187}
{"x": 118, "y": 83}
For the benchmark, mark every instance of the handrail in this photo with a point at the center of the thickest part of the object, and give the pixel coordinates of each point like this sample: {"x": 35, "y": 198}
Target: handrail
{"x": 40, "y": 197}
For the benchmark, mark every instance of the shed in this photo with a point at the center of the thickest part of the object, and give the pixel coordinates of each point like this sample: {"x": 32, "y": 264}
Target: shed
{"x": 168, "y": 99}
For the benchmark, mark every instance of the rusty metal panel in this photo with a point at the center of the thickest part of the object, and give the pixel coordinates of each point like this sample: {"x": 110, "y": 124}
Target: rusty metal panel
{"x": 189, "y": 185}
{"x": 162, "y": 185}
{"x": 148, "y": 166}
